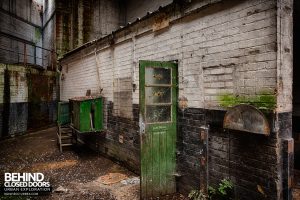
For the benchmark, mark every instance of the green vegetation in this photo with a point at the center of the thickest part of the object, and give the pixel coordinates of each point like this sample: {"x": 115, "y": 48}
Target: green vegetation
{"x": 262, "y": 101}
{"x": 223, "y": 192}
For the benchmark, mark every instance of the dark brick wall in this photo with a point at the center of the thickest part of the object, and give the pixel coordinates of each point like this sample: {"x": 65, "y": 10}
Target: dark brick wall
{"x": 287, "y": 167}
{"x": 128, "y": 128}
{"x": 286, "y": 159}
{"x": 108, "y": 142}
{"x": 18, "y": 116}
{"x": 38, "y": 111}
{"x": 285, "y": 125}
{"x": 41, "y": 114}
{"x": 188, "y": 148}
{"x": 250, "y": 160}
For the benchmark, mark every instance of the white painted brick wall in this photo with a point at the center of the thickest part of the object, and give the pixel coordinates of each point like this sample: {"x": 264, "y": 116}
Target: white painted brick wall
{"x": 106, "y": 73}
{"x": 80, "y": 75}
{"x": 122, "y": 96}
{"x": 227, "y": 51}
{"x": 114, "y": 66}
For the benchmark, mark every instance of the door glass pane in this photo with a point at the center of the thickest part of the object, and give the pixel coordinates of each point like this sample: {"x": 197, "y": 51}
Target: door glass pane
{"x": 158, "y": 95}
{"x": 157, "y": 75}
{"x": 158, "y": 114}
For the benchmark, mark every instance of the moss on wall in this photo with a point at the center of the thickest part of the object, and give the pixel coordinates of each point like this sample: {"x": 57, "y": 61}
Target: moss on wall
{"x": 37, "y": 35}
{"x": 262, "y": 101}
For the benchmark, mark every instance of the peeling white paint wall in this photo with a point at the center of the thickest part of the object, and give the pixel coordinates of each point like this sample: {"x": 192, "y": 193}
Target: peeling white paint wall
{"x": 221, "y": 50}
{"x": 285, "y": 55}
{"x": 18, "y": 84}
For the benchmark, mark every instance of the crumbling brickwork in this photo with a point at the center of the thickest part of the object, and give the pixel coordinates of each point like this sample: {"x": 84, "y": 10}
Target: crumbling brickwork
{"x": 120, "y": 140}
{"x": 188, "y": 144}
{"x": 249, "y": 160}
{"x": 222, "y": 47}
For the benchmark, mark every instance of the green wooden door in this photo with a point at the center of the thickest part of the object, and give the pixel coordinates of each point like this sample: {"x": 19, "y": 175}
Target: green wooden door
{"x": 158, "y": 102}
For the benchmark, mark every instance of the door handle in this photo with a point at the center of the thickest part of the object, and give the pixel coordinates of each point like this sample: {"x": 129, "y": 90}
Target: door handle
{"x": 142, "y": 128}
{"x": 142, "y": 125}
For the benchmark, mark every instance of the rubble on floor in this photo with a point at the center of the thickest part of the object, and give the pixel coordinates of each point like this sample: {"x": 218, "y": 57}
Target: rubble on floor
{"x": 73, "y": 174}
{"x": 77, "y": 173}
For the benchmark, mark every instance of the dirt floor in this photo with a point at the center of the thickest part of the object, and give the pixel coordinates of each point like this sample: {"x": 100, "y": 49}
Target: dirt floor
{"x": 77, "y": 173}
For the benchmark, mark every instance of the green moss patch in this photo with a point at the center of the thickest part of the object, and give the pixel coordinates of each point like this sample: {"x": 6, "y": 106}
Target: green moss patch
{"x": 262, "y": 101}
{"x": 38, "y": 35}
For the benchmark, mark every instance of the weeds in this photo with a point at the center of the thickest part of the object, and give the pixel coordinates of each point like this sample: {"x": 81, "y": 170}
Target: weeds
{"x": 223, "y": 192}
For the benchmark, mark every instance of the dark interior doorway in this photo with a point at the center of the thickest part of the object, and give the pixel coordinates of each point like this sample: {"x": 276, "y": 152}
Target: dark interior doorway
{"x": 296, "y": 92}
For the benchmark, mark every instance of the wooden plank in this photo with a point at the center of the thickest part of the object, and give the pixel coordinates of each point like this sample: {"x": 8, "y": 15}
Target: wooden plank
{"x": 149, "y": 163}
{"x": 156, "y": 163}
{"x": 163, "y": 163}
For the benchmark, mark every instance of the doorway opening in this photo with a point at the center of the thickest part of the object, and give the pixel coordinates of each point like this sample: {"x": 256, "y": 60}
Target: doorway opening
{"x": 158, "y": 111}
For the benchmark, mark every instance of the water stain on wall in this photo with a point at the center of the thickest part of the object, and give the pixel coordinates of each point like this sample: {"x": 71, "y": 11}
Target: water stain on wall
{"x": 29, "y": 100}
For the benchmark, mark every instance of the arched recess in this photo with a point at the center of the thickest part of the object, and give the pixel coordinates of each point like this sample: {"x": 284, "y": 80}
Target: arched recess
{"x": 246, "y": 118}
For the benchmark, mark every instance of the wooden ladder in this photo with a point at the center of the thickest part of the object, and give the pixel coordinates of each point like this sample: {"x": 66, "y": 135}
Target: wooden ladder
{"x": 65, "y": 136}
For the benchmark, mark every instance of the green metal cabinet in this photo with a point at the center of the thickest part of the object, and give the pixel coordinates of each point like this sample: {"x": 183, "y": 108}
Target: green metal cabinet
{"x": 63, "y": 114}
{"x": 87, "y": 114}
